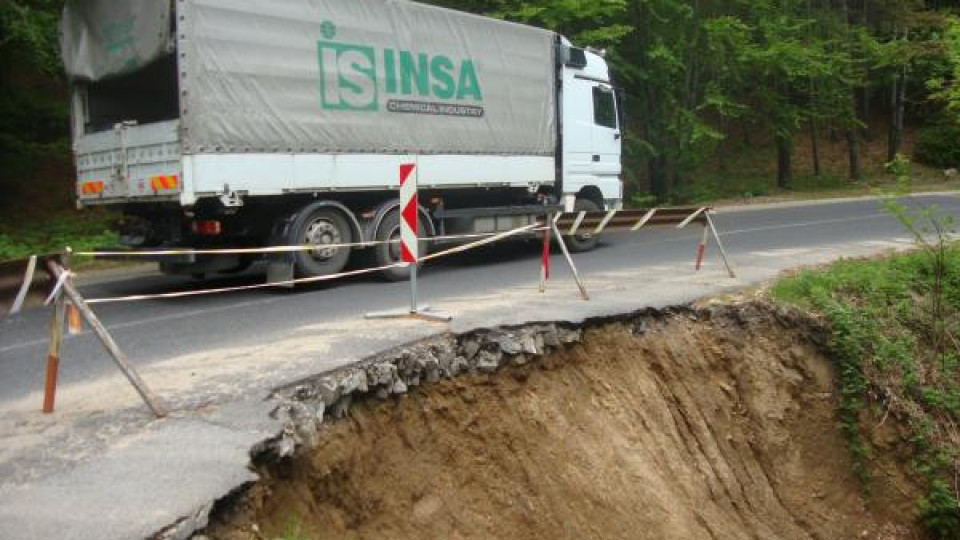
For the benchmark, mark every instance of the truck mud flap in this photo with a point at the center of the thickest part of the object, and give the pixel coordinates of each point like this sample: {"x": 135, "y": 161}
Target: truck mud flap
{"x": 280, "y": 272}
{"x": 280, "y": 268}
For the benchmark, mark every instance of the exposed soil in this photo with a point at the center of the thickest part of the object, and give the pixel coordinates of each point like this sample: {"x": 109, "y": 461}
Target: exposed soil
{"x": 714, "y": 424}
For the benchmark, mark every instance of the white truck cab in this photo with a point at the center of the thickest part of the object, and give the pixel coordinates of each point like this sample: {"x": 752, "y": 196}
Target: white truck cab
{"x": 592, "y": 136}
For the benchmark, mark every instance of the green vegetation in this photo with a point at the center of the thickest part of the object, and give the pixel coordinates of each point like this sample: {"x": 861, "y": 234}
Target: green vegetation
{"x": 724, "y": 99}
{"x": 84, "y": 233}
{"x": 706, "y": 80}
{"x": 293, "y": 530}
{"x": 895, "y": 325}
{"x": 33, "y": 106}
{"x": 889, "y": 357}
{"x": 937, "y": 145}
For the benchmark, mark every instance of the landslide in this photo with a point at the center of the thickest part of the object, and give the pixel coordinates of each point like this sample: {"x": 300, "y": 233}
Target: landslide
{"x": 716, "y": 423}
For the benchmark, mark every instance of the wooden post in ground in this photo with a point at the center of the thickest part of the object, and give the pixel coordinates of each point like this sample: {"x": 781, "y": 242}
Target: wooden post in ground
{"x": 566, "y": 254}
{"x": 702, "y": 247}
{"x": 101, "y": 332}
{"x": 723, "y": 252}
{"x": 73, "y": 316}
{"x": 53, "y": 354}
{"x": 545, "y": 258}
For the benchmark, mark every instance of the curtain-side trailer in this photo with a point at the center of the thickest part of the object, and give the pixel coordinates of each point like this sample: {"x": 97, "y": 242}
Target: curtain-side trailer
{"x": 241, "y": 123}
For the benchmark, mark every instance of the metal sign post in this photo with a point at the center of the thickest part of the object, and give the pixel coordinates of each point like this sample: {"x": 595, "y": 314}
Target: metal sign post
{"x": 410, "y": 247}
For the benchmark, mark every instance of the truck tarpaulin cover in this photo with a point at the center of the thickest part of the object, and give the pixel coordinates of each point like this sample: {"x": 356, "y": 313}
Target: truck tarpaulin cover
{"x": 362, "y": 76}
{"x": 104, "y": 38}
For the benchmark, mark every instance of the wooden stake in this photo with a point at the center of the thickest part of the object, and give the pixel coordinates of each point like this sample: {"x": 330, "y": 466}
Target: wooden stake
{"x": 101, "y": 331}
{"x": 73, "y": 317}
{"x": 702, "y": 247}
{"x": 545, "y": 259}
{"x": 566, "y": 254}
{"x": 53, "y": 355}
{"x": 723, "y": 252}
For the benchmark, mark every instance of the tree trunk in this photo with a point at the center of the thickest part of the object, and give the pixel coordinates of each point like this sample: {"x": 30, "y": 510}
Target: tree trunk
{"x": 853, "y": 145}
{"x": 867, "y": 134}
{"x": 815, "y": 146}
{"x": 784, "y": 173}
{"x": 865, "y": 112}
{"x": 659, "y": 181}
{"x": 898, "y": 100}
{"x": 893, "y": 137}
{"x": 721, "y": 151}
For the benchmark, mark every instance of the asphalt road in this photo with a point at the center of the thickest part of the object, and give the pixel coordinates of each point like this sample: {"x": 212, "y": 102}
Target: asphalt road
{"x": 154, "y": 330}
{"x": 85, "y": 471}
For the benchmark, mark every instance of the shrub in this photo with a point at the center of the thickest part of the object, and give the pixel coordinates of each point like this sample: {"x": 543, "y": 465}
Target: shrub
{"x": 937, "y": 146}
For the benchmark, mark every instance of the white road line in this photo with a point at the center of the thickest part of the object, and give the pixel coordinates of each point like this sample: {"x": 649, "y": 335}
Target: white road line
{"x": 748, "y": 207}
{"x": 762, "y": 229}
{"x": 805, "y": 224}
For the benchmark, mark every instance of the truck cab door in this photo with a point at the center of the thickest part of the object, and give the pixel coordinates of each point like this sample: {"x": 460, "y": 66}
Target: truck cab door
{"x": 592, "y": 139}
{"x": 607, "y": 137}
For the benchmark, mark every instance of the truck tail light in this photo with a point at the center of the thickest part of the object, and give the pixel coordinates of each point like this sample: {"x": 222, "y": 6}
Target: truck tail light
{"x": 207, "y": 228}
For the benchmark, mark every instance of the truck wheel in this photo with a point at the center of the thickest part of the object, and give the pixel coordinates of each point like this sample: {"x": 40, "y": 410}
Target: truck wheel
{"x": 321, "y": 226}
{"x": 389, "y": 253}
{"x": 587, "y": 241}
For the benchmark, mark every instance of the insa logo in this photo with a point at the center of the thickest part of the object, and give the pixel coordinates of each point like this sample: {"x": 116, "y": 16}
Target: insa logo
{"x": 350, "y": 76}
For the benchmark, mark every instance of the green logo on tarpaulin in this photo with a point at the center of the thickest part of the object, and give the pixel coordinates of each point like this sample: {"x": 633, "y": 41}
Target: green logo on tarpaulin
{"x": 354, "y": 77}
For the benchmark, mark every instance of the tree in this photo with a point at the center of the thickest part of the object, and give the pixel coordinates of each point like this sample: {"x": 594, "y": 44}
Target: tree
{"x": 665, "y": 66}
{"x": 945, "y": 85}
{"x": 33, "y": 101}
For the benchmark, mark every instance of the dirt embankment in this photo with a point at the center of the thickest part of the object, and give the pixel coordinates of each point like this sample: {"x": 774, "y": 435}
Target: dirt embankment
{"x": 713, "y": 424}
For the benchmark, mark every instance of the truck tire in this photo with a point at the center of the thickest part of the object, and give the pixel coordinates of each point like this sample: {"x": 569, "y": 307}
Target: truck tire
{"x": 320, "y": 226}
{"x": 587, "y": 241}
{"x": 386, "y": 254}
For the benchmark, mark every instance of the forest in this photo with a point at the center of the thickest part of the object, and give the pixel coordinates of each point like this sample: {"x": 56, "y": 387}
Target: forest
{"x": 715, "y": 91}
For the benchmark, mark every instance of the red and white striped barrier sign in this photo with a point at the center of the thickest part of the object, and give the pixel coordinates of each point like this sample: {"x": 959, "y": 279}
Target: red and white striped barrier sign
{"x": 409, "y": 251}
{"x": 409, "y": 246}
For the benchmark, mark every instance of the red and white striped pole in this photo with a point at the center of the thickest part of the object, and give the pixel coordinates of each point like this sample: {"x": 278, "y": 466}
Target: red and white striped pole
{"x": 545, "y": 256}
{"x": 409, "y": 244}
{"x": 702, "y": 247}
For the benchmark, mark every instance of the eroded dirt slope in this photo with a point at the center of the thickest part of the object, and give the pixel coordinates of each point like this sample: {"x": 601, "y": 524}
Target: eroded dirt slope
{"x": 717, "y": 426}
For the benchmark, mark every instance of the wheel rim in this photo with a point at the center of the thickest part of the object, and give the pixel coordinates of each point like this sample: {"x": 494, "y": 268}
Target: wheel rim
{"x": 323, "y": 232}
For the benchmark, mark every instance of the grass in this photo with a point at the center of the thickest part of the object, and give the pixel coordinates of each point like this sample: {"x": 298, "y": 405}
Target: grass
{"x": 742, "y": 172}
{"x": 886, "y": 342}
{"x": 82, "y": 232}
{"x": 293, "y": 530}
{"x": 747, "y": 187}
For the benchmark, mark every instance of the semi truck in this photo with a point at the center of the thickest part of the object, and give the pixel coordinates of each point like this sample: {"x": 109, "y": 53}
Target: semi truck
{"x": 244, "y": 123}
